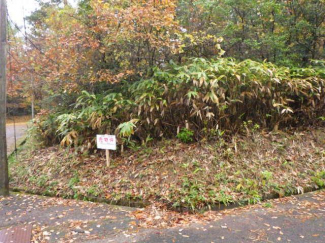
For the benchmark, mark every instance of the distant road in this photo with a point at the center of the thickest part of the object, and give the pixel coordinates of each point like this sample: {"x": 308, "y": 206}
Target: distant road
{"x": 21, "y": 129}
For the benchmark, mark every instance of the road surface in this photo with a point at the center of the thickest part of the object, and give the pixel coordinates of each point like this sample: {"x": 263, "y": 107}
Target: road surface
{"x": 20, "y": 132}
{"x": 296, "y": 219}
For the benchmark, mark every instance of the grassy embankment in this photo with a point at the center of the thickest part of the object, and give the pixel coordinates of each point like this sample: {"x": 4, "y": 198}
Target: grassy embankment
{"x": 244, "y": 169}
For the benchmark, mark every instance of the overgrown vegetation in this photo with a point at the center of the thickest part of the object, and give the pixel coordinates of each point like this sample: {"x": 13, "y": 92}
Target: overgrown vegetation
{"x": 98, "y": 43}
{"x": 198, "y": 100}
{"x": 168, "y": 77}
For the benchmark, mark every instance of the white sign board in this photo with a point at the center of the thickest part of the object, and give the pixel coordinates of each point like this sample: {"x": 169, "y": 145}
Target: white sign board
{"x": 106, "y": 142}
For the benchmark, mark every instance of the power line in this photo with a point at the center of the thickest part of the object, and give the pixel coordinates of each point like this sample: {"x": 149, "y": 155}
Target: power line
{"x": 11, "y": 82}
{"x": 27, "y": 39}
{"x": 24, "y": 33}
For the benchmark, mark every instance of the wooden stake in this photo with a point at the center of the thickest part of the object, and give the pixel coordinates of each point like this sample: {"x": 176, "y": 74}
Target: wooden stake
{"x": 108, "y": 162}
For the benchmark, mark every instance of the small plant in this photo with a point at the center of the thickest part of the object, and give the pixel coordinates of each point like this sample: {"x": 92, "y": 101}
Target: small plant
{"x": 147, "y": 141}
{"x": 267, "y": 175}
{"x": 254, "y": 198}
{"x": 41, "y": 181}
{"x": 268, "y": 205}
{"x": 196, "y": 163}
{"x": 221, "y": 177}
{"x": 74, "y": 180}
{"x": 250, "y": 188}
{"x": 94, "y": 191}
{"x": 223, "y": 198}
{"x": 212, "y": 133}
{"x": 126, "y": 129}
{"x": 249, "y": 126}
{"x": 319, "y": 179}
{"x": 228, "y": 153}
{"x": 185, "y": 135}
{"x": 192, "y": 192}
{"x": 185, "y": 165}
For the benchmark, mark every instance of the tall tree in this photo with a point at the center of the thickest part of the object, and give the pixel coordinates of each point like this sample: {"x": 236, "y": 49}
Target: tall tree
{"x": 104, "y": 42}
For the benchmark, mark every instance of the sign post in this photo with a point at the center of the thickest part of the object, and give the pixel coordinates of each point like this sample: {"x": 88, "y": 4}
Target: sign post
{"x": 107, "y": 142}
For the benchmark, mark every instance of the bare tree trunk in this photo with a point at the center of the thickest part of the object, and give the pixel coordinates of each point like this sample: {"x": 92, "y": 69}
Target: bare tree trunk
{"x": 4, "y": 181}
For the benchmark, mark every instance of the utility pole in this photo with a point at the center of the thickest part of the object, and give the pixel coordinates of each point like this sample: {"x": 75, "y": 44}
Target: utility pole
{"x": 4, "y": 179}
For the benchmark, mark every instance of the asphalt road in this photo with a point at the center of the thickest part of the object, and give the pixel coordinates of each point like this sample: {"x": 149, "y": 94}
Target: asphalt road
{"x": 20, "y": 132}
{"x": 296, "y": 219}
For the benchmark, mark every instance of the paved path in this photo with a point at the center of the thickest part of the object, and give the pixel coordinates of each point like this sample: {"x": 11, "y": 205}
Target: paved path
{"x": 299, "y": 220}
{"x": 60, "y": 220}
{"x": 293, "y": 219}
{"x": 20, "y": 132}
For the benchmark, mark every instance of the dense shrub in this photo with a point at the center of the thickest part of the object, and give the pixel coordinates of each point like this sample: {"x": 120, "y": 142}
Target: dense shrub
{"x": 206, "y": 96}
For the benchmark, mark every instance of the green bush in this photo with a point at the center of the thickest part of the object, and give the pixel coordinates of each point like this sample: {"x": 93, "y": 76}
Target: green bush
{"x": 45, "y": 127}
{"x": 185, "y": 135}
{"x": 205, "y": 95}
{"x": 319, "y": 178}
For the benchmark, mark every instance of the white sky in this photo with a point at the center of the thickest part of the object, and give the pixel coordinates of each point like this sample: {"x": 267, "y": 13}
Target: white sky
{"x": 18, "y": 9}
